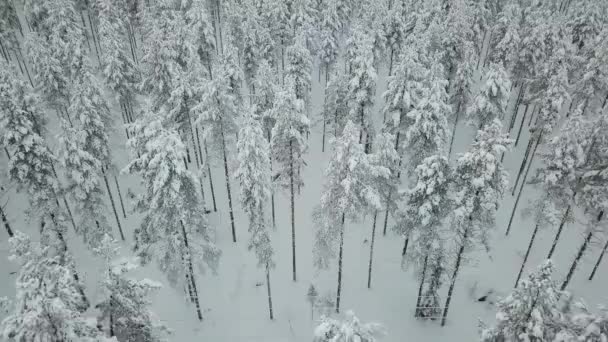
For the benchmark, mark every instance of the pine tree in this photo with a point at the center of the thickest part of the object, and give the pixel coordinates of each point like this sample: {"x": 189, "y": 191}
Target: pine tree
{"x": 396, "y": 31}
{"x": 329, "y": 37}
{"x": 491, "y": 99}
{"x": 332, "y": 330}
{"x": 126, "y": 301}
{"x": 288, "y": 146}
{"x": 275, "y": 14}
{"x": 427, "y": 134}
{"x": 303, "y": 23}
{"x": 335, "y": 106}
{"x": 217, "y": 111}
{"x": 505, "y": 41}
{"x": 351, "y": 190}
{"x": 583, "y": 325}
{"x": 174, "y": 231}
{"x": 529, "y": 313}
{"x": 480, "y": 181}
{"x": 299, "y": 68}
{"x": 257, "y": 42}
{"x": 421, "y": 219}
{"x": 48, "y": 304}
{"x": 253, "y": 174}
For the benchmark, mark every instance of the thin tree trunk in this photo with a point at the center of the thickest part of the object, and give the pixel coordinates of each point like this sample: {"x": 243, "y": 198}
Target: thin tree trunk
{"x": 122, "y": 205}
{"x": 599, "y": 260}
{"x": 454, "y": 275}
{"x": 340, "y": 253}
{"x": 94, "y": 37}
{"x": 388, "y": 198}
{"x": 84, "y": 30}
{"x": 390, "y": 66}
{"x": 29, "y": 77}
{"x": 523, "y": 183}
{"x": 269, "y": 293}
{"x": 454, "y": 129}
{"x": 219, "y": 22}
{"x": 422, "y": 278}
{"x": 522, "y": 167}
{"x": 105, "y": 179}
{"x": 559, "y": 231}
{"x": 228, "y": 183}
{"x": 580, "y": 254}
{"x": 516, "y": 109}
{"x": 523, "y": 264}
{"x": 521, "y": 125}
{"x": 532, "y": 115}
{"x": 371, "y": 251}
{"x": 65, "y": 201}
{"x": 293, "y": 221}
{"x": 6, "y": 224}
{"x": 405, "y": 243}
{"x": 210, "y": 177}
{"x": 198, "y": 144}
{"x": 198, "y": 164}
{"x": 274, "y": 222}
{"x": 191, "y": 271}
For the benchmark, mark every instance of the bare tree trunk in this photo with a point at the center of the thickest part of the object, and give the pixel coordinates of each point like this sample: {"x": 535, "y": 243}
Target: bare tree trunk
{"x": 523, "y": 264}
{"x": 386, "y": 216}
{"x": 454, "y": 275}
{"x": 521, "y": 125}
{"x": 559, "y": 231}
{"x": 371, "y": 251}
{"x": 422, "y": 279}
{"x": 293, "y": 221}
{"x": 29, "y": 77}
{"x": 340, "y": 254}
{"x": 580, "y": 254}
{"x": 122, "y": 205}
{"x": 65, "y": 201}
{"x": 219, "y": 24}
{"x": 210, "y": 177}
{"x": 228, "y": 183}
{"x": 523, "y": 183}
{"x": 198, "y": 164}
{"x": 599, "y": 260}
{"x": 454, "y": 128}
{"x": 191, "y": 274}
{"x": 6, "y": 224}
{"x": 105, "y": 179}
{"x": 522, "y": 167}
{"x": 390, "y": 66}
{"x": 269, "y": 293}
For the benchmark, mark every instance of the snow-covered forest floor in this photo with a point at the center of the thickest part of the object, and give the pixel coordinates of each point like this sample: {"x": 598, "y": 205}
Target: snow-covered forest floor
{"x": 234, "y": 300}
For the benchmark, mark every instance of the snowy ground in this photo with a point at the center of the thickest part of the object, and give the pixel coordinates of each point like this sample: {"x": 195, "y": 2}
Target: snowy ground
{"x": 234, "y": 300}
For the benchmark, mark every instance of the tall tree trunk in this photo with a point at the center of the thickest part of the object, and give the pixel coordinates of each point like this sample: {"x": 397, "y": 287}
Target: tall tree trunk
{"x": 269, "y": 293}
{"x": 191, "y": 273}
{"x": 6, "y": 224}
{"x": 454, "y": 128}
{"x": 340, "y": 253}
{"x": 523, "y": 264}
{"x": 105, "y": 179}
{"x": 516, "y": 109}
{"x": 122, "y": 205}
{"x": 422, "y": 279}
{"x": 522, "y": 166}
{"x": 599, "y": 260}
{"x": 274, "y": 221}
{"x": 523, "y": 183}
{"x": 454, "y": 275}
{"x": 65, "y": 201}
{"x": 559, "y": 231}
{"x": 210, "y": 177}
{"x": 228, "y": 183}
{"x": 219, "y": 22}
{"x": 29, "y": 77}
{"x": 293, "y": 221}
{"x": 580, "y": 254}
{"x": 198, "y": 164}
{"x": 390, "y": 66}
{"x": 386, "y": 216}
{"x": 521, "y": 125}
{"x": 371, "y": 251}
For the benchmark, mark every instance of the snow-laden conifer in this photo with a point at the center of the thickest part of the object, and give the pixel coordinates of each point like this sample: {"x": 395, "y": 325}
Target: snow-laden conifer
{"x": 491, "y": 98}
{"x": 350, "y": 329}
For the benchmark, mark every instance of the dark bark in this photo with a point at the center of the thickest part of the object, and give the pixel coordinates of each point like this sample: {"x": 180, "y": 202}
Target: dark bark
{"x": 198, "y": 163}
{"x": 454, "y": 128}
{"x": 371, "y": 251}
{"x": 599, "y": 260}
{"x": 454, "y": 275}
{"x": 523, "y": 264}
{"x": 340, "y": 254}
{"x": 6, "y": 224}
{"x": 521, "y": 125}
{"x": 191, "y": 273}
{"x": 269, "y": 293}
{"x": 65, "y": 201}
{"x": 274, "y": 221}
{"x": 293, "y": 221}
{"x": 405, "y": 243}
{"x": 105, "y": 179}
{"x": 422, "y": 279}
{"x": 522, "y": 167}
{"x": 210, "y": 177}
{"x": 228, "y": 183}
{"x": 390, "y": 66}
{"x": 559, "y": 231}
{"x": 580, "y": 254}
{"x": 516, "y": 109}
{"x": 122, "y": 204}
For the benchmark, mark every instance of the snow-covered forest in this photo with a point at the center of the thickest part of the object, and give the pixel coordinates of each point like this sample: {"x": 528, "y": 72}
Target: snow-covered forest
{"x": 303, "y": 170}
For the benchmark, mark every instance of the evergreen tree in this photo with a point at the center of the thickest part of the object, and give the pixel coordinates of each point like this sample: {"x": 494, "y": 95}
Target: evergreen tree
{"x": 335, "y": 105}
{"x": 427, "y": 205}
{"x": 257, "y": 42}
{"x": 125, "y": 304}
{"x": 253, "y": 174}
{"x": 288, "y": 146}
{"x": 351, "y": 190}
{"x": 299, "y": 68}
{"x": 480, "y": 181}
{"x": 329, "y": 37}
{"x": 583, "y": 325}
{"x": 174, "y": 231}
{"x": 427, "y": 134}
{"x": 351, "y": 329}
{"x": 491, "y": 99}
{"x": 303, "y": 23}
{"x": 395, "y": 30}
{"x": 529, "y": 313}
{"x": 505, "y": 40}
{"x": 48, "y": 303}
